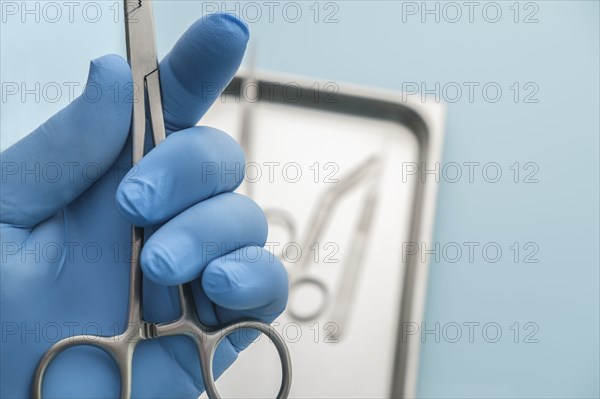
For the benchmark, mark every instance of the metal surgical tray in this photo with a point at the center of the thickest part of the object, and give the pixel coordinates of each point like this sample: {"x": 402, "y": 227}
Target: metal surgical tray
{"x": 325, "y": 132}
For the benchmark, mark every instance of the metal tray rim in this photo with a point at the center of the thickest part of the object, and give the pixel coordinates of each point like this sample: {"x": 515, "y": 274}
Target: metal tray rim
{"x": 430, "y": 142}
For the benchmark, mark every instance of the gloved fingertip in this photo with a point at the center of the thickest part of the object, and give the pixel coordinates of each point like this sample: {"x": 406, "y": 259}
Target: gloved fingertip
{"x": 114, "y": 64}
{"x": 200, "y": 66}
{"x": 158, "y": 266}
{"x": 108, "y": 88}
{"x": 134, "y": 200}
{"x": 218, "y": 283}
{"x": 240, "y": 282}
{"x": 222, "y": 36}
{"x": 109, "y": 81}
{"x": 228, "y": 24}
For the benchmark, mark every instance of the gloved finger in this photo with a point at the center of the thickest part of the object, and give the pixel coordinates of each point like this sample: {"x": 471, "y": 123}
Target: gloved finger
{"x": 190, "y": 166}
{"x": 250, "y": 283}
{"x": 180, "y": 249}
{"x": 59, "y": 160}
{"x": 199, "y": 67}
{"x": 248, "y": 279}
{"x": 161, "y": 303}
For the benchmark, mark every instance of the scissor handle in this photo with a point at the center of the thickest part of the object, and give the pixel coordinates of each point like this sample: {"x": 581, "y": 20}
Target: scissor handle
{"x": 315, "y": 314}
{"x": 284, "y": 219}
{"x": 120, "y": 348}
{"x": 207, "y": 340}
{"x": 208, "y": 347}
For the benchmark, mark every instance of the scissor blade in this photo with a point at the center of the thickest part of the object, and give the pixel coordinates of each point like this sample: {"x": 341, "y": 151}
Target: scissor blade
{"x": 141, "y": 42}
{"x": 141, "y": 54}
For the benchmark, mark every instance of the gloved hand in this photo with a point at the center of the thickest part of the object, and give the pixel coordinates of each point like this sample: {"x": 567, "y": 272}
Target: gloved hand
{"x": 66, "y": 220}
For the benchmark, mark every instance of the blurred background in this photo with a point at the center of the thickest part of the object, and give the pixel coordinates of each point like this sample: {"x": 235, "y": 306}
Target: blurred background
{"x": 532, "y": 113}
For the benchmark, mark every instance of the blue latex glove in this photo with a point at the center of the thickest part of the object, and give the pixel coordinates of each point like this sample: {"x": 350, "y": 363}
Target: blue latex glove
{"x": 65, "y": 239}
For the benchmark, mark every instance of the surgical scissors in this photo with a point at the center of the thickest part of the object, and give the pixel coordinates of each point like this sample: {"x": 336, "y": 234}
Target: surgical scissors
{"x": 353, "y": 260}
{"x": 141, "y": 53}
{"x": 370, "y": 171}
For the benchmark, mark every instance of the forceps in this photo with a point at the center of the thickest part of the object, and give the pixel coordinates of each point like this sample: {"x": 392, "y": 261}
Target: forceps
{"x": 141, "y": 53}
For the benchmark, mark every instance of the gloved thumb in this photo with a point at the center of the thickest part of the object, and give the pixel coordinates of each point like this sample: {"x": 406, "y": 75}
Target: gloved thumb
{"x": 53, "y": 165}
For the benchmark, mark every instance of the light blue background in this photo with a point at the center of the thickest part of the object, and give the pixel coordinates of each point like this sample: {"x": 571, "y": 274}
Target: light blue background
{"x": 371, "y": 45}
